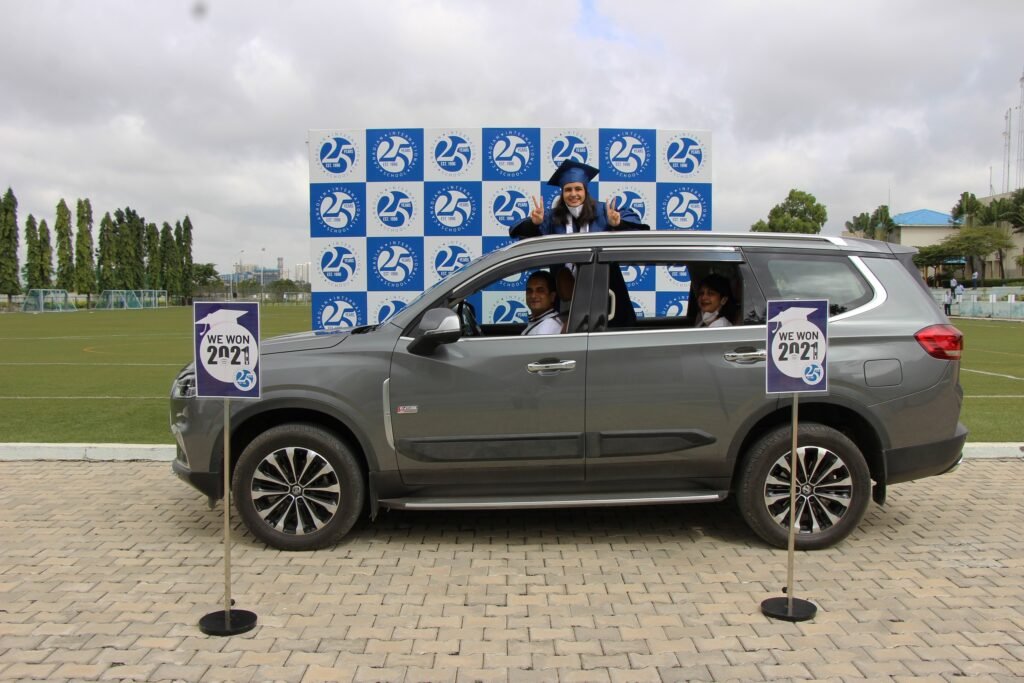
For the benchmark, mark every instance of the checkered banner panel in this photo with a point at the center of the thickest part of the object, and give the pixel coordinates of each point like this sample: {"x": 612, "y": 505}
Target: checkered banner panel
{"x": 392, "y": 211}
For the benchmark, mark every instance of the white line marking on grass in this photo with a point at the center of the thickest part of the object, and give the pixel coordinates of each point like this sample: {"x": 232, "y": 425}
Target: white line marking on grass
{"x": 116, "y": 365}
{"x": 990, "y": 374}
{"x": 995, "y": 396}
{"x": 93, "y": 336}
{"x": 84, "y": 398}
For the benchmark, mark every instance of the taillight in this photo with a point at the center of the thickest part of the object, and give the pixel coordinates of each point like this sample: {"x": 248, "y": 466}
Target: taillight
{"x": 944, "y": 342}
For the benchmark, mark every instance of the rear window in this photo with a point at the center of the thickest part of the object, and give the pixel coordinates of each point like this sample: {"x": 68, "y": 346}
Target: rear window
{"x": 812, "y": 276}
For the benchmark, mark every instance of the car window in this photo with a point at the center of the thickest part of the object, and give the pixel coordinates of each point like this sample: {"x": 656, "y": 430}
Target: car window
{"x": 646, "y": 294}
{"x": 813, "y": 276}
{"x": 499, "y": 304}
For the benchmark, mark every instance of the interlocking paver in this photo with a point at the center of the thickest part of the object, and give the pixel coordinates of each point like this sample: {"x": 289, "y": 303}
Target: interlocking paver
{"x": 107, "y": 567}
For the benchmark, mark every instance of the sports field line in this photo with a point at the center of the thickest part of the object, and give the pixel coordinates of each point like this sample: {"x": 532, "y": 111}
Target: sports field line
{"x": 94, "y": 336}
{"x": 993, "y": 395}
{"x": 116, "y": 365}
{"x": 84, "y": 398}
{"x": 990, "y": 374}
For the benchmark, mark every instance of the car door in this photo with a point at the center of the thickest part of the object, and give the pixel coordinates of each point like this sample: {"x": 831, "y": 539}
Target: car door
{"x": 665, "y": 399}
{"x": 493, "y": 411}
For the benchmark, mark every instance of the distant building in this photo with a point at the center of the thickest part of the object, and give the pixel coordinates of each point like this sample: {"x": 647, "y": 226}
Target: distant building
{"x": 302, "y": 272}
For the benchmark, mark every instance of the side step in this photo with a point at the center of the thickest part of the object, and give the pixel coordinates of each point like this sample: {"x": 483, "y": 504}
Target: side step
{"x": 552, "y": 501}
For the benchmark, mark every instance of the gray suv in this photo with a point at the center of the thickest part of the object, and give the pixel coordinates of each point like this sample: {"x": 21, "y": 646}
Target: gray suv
{"x": 447, "y": 406}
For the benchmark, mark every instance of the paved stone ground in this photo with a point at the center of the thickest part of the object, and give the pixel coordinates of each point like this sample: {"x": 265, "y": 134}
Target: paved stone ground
{"x": 105, "y": 569}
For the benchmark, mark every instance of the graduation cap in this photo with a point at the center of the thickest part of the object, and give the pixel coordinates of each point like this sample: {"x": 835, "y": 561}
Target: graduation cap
{"x": 792, "y": 314}
{"x": 222, "y": 316}
{"x": 572, "y": 172}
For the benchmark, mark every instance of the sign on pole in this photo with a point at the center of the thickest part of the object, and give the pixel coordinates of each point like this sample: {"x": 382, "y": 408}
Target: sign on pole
{"x": 227, "y": 359}
{"x": 797, "y": 349}
{"x": 797, "y": 345}
{"x": 227, "y": 349}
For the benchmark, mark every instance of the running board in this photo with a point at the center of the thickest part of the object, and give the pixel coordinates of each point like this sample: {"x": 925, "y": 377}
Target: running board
{"x": 553, "y": 501}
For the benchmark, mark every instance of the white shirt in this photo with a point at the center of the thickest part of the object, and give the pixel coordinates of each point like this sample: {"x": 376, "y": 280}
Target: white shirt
{"x": 547, "y": 323}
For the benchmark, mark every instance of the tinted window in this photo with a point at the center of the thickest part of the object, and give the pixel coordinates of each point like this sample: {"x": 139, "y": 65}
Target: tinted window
{"x": 645, "y": 294}
{"x": 813, "y": 276}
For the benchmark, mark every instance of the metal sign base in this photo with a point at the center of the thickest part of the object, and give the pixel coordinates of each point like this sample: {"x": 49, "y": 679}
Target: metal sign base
{"x": 788, "y": 609}
{"x": 230, "y": 623}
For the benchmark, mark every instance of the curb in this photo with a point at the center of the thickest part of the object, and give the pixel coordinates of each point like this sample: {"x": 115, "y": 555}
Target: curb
{"x": 126, "y": 452}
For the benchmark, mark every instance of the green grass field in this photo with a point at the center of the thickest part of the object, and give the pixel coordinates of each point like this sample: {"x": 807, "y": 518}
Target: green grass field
{"x": 104, "y": 376}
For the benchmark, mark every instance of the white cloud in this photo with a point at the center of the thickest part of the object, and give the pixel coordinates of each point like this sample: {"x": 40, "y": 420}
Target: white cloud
{"x": 152, "y": 106}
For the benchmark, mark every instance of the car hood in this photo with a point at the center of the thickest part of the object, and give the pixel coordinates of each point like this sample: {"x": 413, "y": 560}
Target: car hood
{"x": 304, "y": 341}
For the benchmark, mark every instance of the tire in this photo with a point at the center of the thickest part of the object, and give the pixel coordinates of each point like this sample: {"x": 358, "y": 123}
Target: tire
{"x": 298, "y": 487}
{"x": 830, "y": 504}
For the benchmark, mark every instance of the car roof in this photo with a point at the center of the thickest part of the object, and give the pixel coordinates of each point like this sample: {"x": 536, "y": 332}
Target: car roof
{"x": 703, "y": 238}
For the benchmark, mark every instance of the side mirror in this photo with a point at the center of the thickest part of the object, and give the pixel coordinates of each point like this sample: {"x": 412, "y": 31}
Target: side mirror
{"x": 437, "y": 326}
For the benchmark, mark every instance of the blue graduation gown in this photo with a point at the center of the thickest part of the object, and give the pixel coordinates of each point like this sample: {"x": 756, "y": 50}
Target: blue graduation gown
{"x": 629, "y": 221}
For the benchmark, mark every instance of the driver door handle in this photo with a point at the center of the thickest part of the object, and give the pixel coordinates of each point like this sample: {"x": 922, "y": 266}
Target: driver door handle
{"x": 551, "y": 367}
{"x": 748, "y": 355}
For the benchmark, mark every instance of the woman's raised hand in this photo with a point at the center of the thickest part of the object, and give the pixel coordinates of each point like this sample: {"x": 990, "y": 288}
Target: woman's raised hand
{"x": 537, "y": 215}
{"x": 614, "y": 217}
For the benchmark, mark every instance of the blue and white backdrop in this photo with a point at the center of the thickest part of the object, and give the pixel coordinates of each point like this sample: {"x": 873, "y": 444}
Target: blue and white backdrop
{"x": 394, "y": 210}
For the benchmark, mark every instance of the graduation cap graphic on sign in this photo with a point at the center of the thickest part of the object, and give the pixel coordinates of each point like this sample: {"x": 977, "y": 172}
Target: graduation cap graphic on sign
{"x": 224, "y": 316}
{"x": 790, "y": 315}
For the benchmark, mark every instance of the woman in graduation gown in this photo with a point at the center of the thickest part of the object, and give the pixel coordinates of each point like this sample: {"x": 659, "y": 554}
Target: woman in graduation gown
{"x": 575, "y": 210}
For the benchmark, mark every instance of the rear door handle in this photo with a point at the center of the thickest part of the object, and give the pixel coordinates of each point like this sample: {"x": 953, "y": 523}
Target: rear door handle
{"x": 745, "y": 356}
{"x": 551, "y": 367}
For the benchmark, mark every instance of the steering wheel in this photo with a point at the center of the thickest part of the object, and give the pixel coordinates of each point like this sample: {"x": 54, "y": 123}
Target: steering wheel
{"x": 467, "y": 315}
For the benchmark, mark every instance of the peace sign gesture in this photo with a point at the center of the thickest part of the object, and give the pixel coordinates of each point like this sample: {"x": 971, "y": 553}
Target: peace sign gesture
{"x": 614, "y": 217}
{"x": 537, "y": 215}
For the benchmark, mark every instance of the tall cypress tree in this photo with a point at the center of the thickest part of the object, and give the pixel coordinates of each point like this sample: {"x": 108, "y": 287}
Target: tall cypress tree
{"x": 45, "y": 255}
{"x": 85, "y": 265}
{"x": 187, "y": 274}
{"x": 105, "y": 269}
{"x": 65, "y": 258}
{"x": 169, "y": 261}
{"x": 153, "y": 268}
{"x": 10, "y": 284}
{"x": 32, "y": 271}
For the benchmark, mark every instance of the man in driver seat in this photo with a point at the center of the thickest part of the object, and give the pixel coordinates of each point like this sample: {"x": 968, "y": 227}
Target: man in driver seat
{"x": 540, "y": 299}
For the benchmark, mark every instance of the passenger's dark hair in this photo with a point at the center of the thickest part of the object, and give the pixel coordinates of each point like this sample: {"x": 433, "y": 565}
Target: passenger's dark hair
{"x": 717, "y": 282}
{"x": 548, "y": 278}
{"x": 587, "y": 214}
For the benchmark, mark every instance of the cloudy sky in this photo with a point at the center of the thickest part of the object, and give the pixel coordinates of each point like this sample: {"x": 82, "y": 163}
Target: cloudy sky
{"x": 202, "y": 107}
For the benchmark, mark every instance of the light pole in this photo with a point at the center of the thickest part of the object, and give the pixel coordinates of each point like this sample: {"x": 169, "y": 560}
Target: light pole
{"x": 238, "y": 290}
{"x": 263, "y": 255}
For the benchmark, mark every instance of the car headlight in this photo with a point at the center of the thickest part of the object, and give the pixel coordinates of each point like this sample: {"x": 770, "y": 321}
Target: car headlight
{"x": 185, "y": 384}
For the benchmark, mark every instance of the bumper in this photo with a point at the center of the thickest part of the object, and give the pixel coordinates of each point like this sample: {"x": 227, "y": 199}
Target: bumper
{"x": 208, "y": 483}
{"x": 917, "y": 462}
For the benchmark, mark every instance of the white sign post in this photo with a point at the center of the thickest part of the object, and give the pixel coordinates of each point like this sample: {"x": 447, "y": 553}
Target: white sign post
{"x": 227, "y": 360}
{"x": 797, "y": 343}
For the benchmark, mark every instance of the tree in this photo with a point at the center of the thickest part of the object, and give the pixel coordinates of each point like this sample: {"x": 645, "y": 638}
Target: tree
{"x": 45, "y": 255}
{"x": 879, "y": 225}
{"x": 106, "y": 255}
{"x": 185, "y": 248}
{"x": 800, "y": 212}
{"x": 85, "y": 265}
{"x": 33, "y": 270}
{"x": 965, "y": 211}
{"x": 170, "y": 264}
{"x": 204, "y": 275}
{"x": 861, "y": 225}
{"x": 65, "y": 258}
{"x": 153, "y": 266}
{"x": 977, "y": 242}
{"x": 933, "y": 256}
{"x": 129, "y": 228}
{"x": 9, "y": 282}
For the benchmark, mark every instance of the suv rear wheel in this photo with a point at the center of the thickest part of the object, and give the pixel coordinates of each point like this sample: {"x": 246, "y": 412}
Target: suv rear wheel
{"x": 833, "y": 487}
{"x": 298, "y": 487}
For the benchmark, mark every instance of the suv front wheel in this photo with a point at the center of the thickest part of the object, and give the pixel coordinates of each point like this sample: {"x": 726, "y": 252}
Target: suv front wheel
{"x": 833, "y": 487}
{"x": 298, "y": 487}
